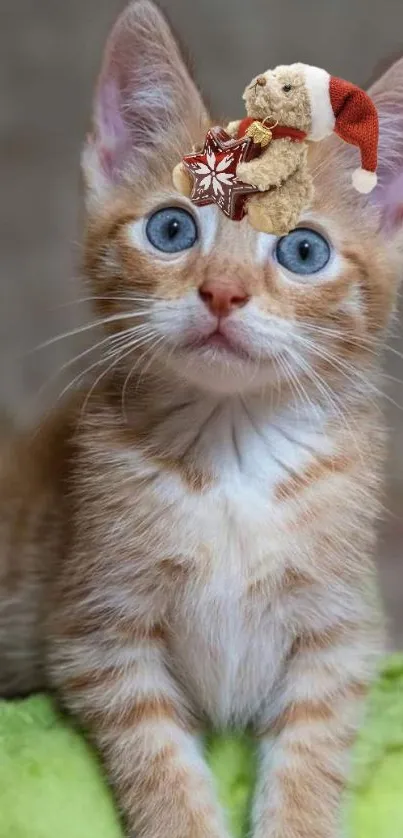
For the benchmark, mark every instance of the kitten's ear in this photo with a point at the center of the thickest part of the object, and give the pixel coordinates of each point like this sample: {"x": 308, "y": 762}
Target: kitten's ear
{"x": 387, "y": 94}
{"x": 146, "y": 103}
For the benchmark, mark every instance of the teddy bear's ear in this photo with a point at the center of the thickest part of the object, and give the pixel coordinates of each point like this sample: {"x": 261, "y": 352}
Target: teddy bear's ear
{"x": 387, "y": 94}
{"x": 145, "y": 102}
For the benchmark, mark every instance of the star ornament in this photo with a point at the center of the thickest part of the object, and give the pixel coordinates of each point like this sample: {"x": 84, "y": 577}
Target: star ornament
{"x": 214, "y": 172}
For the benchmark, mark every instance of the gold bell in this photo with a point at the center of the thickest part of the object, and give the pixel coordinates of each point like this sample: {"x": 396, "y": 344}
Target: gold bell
{"x": 259, "y": 133}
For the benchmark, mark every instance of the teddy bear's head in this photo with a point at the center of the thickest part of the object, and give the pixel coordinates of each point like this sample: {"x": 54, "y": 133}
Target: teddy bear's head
{"x": 281, "y": 94}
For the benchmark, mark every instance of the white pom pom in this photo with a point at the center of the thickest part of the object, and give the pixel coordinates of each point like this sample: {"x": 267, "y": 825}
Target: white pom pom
{"x": 364, "y": 181}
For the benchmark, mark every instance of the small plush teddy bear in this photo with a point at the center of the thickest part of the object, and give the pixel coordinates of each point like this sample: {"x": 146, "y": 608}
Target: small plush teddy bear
{"x": 280, "y": 173}
{"x": 286, "y": 109}
{"x": 306, "y": 98}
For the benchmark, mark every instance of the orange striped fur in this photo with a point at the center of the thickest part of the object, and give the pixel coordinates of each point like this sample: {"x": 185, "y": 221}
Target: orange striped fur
{"x": 188, "y": 544}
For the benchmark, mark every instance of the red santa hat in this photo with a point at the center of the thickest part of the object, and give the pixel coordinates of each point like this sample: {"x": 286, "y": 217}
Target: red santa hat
{"x": 342, "y": 107}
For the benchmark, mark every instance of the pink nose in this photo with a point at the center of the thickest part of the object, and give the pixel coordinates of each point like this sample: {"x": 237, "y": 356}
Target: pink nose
{"x": 221, "y": 298}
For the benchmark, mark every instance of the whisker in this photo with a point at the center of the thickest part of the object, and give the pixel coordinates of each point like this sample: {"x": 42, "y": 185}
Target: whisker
{"x": 121, "y": 355}
{"x": 152, "y": 358}
{"x": 97, "y": 323}
{"x": 80, "y": 376}
{"x": 337, "y": 335}
{"x": 88, "y": 369}
{"x": 348, "y": 371}
{"x": 331, "y": 399}
{"x": 123, "y": 299}
{"x": 111, "y": 339}
{"x": 394, "y": 351}
{"x": 123, "y": 339}
{"x": 68, "y": 387}
{"x": 298, "y": 388}
{"x": 131, "y": 373}
{"x": 371, "y": 345}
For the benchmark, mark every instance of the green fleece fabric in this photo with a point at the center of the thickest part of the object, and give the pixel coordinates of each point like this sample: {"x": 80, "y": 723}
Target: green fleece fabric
{"x": 51, "y": 782}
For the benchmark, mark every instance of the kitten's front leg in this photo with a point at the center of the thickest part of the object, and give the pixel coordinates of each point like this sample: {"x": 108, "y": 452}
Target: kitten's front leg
{"x": 138, "y": 719}
{"x": 306, "y": 746}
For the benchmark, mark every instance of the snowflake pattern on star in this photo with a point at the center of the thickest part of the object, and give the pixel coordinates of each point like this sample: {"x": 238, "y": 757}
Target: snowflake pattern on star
{"x": 214, "y": 172}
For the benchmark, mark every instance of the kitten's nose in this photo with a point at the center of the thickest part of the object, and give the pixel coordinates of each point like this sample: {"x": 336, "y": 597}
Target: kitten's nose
{"x": 222, "y": 297}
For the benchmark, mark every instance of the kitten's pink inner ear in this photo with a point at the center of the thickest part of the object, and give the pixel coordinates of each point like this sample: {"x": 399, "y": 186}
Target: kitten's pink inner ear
{"x": 145, "y": 100}
{"x": 391, "y": 200}
{"x": 387, "y": 94}
{"x": 112, "y": 135}
{"x": 121, "y": 108}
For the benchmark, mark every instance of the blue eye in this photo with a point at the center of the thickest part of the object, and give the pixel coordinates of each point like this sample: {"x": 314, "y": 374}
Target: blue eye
{"x": 171, "y": 230}
{"x": 303, "y": 251}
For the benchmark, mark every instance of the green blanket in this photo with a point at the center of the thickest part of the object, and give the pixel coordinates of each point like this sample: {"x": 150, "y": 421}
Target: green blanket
{"x": 51, "y": 783}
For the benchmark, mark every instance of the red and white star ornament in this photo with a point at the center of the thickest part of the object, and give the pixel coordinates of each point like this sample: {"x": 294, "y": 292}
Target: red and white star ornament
{"x": 213, "y": 171}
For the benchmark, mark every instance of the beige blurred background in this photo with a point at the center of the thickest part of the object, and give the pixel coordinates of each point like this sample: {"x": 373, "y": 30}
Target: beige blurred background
{"x": 49, "y": 55}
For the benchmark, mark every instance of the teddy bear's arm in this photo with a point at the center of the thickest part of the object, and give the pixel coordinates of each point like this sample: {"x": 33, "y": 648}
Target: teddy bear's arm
{"x": 182, "y": 180}
{"x": 277, "y": 163}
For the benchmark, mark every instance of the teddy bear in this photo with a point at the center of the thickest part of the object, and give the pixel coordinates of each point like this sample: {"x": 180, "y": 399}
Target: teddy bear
{"x": 280, "y": 173}
{"x": 287, "y": 109}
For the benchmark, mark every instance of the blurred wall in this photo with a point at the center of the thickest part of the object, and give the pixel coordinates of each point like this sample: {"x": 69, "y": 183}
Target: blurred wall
{"x": 49, "y": 55}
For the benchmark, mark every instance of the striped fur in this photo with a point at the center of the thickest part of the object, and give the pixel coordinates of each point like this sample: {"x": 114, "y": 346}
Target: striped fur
{"x": 188, "y": 545}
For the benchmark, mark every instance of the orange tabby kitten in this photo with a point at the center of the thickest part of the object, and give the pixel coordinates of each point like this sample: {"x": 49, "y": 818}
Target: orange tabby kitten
{"x": 192, "y": 546}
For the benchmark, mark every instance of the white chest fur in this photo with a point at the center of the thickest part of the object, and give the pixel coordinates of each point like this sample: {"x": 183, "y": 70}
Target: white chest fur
{"x": 227, "y": 647}
{"x": 248, "y": 450}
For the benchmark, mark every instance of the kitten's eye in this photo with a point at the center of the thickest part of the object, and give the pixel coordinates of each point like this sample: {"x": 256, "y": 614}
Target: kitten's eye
{"x": 303, "y": 251}
{"x": 171, "y": 230}
{"x": 287, "y": 88}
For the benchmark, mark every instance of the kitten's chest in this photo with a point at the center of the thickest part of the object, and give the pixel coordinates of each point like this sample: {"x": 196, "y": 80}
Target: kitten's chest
{"x": 227, "y": 641}
{"x": 228, "y": 542}
{"x": 228, "y": 509}
{"x": 226, "y": 652}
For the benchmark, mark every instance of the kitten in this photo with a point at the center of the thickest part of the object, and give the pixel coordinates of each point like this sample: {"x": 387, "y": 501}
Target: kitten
{"x": 191, "y": 546}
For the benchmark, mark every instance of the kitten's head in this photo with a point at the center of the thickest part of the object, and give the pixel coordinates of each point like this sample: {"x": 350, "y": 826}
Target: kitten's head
{"x": 206, "y": 299}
